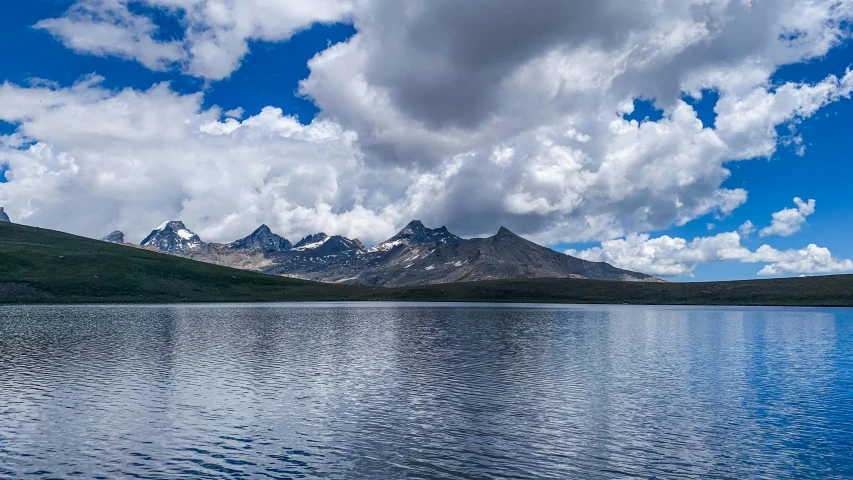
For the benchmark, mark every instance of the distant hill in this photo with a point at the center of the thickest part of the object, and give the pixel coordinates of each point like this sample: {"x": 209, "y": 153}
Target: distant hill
{"x": 826, "y": 291}
{"x": 45, "y": 266}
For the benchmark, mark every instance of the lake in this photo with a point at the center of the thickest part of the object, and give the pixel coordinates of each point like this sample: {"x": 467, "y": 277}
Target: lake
{"x": 425, "y": 391}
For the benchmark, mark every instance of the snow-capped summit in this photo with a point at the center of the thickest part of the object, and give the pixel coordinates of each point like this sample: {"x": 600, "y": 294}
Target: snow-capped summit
{"x": 311, "y": 242}
{"x": 172, "y": 237}
{"x": 416, "y": 232}
{"x": 263, "y": 239}
{"x": 320, "y": 245}
{"x": 115, "y": 237}
{"x": 3, "y": 216}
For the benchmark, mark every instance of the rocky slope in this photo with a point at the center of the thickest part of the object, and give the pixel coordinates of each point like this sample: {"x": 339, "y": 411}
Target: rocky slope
{"x": 3, "y": 216}
{"x": 416, "y": 255}
{"x": 243, "y": 258}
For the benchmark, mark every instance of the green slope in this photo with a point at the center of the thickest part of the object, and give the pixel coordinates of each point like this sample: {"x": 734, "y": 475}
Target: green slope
{"x": 834, "y": 290}
{"x": 38, "y": 265}
{"x": 44, "y": 266}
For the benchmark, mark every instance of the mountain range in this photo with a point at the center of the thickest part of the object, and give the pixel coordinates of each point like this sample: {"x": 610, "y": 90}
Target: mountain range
{"x": 50, "y": 267}
{"x": 415, "y": 256}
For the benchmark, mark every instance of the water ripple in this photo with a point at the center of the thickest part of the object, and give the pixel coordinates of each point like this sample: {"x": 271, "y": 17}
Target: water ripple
{"x": 425, "y": 391}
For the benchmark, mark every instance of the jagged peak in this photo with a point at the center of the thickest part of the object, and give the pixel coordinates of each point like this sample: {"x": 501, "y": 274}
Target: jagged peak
{"x": 314, "y": 237}
{"x": 416, "y": 232}
{"x": 311, "y": 242}
{"x": 412, "y": 228}
{"x": 417, "y": 227}
{"x": 262, "y": 239}
{"x": 172, "y": 235}
{"x": 505, "y": 231}
{"x": 172, "y": 225}
{"x": 115, "y": 237}
{"x": 3, "y": 216}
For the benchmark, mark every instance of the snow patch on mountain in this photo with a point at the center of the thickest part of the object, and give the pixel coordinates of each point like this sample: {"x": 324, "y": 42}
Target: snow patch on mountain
{"x": 172, "y": 237}
{"x": 386, "y": 246}
{"x": 311, "y": 246}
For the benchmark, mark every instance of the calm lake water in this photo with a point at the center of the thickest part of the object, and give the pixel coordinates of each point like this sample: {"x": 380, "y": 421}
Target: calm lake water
{"x": 425, "y": 391}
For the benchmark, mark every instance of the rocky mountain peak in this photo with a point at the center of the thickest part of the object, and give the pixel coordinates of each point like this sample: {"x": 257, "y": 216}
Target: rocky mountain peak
{"x": 263, "y": 239}
{"x": 505, "y": 232}
{"x": 172, "y": 237}
{"x": 311, "y": 242}
{"x": 321, "y": 245}
{"x": 415, "y": 226}
{"x": 172, "y": 225}
{"x": 416, "y": 232}
{"x": 115, "y": 237}
{"x": 416, "y": 255}
{"x": 3, "y": 216}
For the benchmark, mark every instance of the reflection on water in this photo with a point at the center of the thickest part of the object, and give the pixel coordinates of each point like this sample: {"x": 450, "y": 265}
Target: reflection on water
{"x": 425, "y": 391}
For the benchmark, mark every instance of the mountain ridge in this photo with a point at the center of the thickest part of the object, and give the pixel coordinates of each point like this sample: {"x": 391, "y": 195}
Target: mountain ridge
{"x": 415, "y": 255}
{"x": 48, "y": 267}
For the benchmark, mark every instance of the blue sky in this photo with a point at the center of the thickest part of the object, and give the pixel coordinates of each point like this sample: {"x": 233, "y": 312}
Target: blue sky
{"x": 430, "y": 114}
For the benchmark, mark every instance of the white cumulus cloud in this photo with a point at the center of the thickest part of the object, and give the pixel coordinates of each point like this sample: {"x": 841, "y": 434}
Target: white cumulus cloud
{"x": 746, "y": 229}
{"x": 672, "y": 256}
{"x": 216, "y": 33}
{"x": 788, "y": 221}
{"x": 471, "y": 114}
{"x": 87, "y": 160}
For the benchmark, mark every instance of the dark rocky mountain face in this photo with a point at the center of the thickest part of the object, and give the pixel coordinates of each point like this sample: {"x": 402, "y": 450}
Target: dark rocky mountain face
{"x": 421, "y": 256}
{"x": 321, "y": 245}
{"x": 3, "y": 216}
{"x": 264, "y": 240}
{"x": 172, "y": 237}
{"x": 311, "y": 242}
{"x": 416, "y": 233}
{"x": 115, "y": 237}
{"x": 418, "y": 255}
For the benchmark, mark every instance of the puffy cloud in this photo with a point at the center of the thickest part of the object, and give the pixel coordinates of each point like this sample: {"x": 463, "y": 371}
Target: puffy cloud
{"x": 812, "y": 259}
{"x": 85, "y": 159}
{"x": 665, "y": 255}
{"x": 236, "y": 113}
{"x": 672, "y": 257}
{"x": 746, "y": 229}
{"x": 535, "y": 98}
{"x": 106, "y": 27}
{"x": 470, "y": 114}
{"x": 788, "y": 221}
{"x": 216, "y": 32}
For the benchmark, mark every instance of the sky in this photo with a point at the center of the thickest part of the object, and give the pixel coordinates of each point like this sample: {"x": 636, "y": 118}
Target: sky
{"x": 689, "y": 139}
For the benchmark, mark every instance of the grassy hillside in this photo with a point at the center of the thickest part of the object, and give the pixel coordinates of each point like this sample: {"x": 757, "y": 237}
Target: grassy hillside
{"x": 835, "y": 290}
{"x": 44, "y": 266}
{"x": 39, "y": 266}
